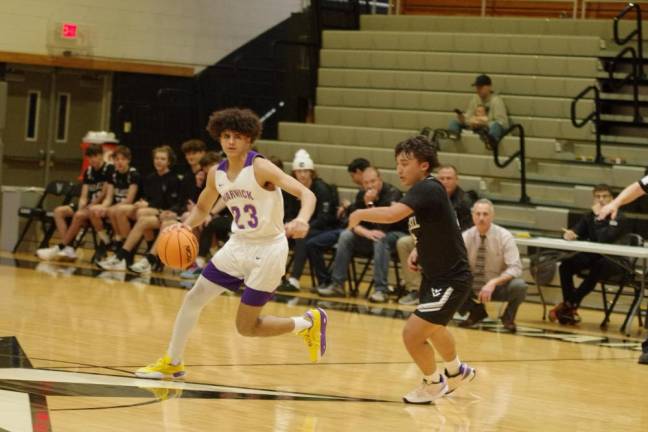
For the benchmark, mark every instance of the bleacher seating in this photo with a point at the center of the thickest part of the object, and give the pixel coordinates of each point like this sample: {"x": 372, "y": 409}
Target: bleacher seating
{"x": 398, "y": 74}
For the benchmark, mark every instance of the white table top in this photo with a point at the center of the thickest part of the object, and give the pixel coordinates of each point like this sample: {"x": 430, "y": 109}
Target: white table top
{"x": 584, "y": 246}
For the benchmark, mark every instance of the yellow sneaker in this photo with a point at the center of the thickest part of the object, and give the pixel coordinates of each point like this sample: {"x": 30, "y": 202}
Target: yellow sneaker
{"x": 161, "y": 369}
{"x": 315, "y": 336}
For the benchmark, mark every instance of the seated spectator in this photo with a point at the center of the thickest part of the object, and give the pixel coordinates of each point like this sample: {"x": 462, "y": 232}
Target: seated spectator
{"x": 193, "y": 179}
{"x": 462, "y": 204}
{"x": 490, "y": 121}
{"x": 368, "y": 239}
{"x": 598, "y": 267}
{"x": 218, "y": 225}
{"x": 496, "y": 267}
{"x": 158, "y": 207}
{"x": 322, "y": 220}
{"x": 317, "y": 246}
{"x": 93, "y": 196}
{"x": 122, "y": 190}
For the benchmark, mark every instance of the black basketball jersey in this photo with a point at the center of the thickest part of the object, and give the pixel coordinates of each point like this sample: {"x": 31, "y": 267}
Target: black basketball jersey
{"x": 441, "y": 250}
{"x": 122, "y": 182}
{"x": 95, "y": 179}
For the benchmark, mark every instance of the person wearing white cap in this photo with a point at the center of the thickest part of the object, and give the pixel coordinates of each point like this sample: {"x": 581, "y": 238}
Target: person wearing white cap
{"x": 324, "y": 218}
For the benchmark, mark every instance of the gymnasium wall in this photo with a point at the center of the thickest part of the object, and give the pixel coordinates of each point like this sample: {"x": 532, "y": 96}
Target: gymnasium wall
{"x": 191, "y": 32}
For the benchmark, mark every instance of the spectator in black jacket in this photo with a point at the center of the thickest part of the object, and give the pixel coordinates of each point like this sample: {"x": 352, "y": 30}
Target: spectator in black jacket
{"x": 193, "y": 180}
{"x": 159, "y": 203}
{"x": 317, "y": 246}
{"x": 589, "y": 228}
{"x": 368, "y": 238}
{"x": 322, "y": 220}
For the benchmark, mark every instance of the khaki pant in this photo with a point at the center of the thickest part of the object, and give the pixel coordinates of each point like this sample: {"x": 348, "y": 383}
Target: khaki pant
{"x": 405, "y": 246}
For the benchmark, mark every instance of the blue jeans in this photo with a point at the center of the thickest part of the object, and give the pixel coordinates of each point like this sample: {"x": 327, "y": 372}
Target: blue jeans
{"x": 315, "y": 248}
{"x": 494, "y": 129}
{"x": 347, "y": 244}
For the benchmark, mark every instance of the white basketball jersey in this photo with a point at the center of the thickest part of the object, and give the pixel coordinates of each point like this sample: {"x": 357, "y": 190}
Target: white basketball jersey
{"x": 258, "y": 213}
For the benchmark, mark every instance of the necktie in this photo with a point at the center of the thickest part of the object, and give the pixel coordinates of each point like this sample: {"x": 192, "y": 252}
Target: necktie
{"x": 479, "y": 275}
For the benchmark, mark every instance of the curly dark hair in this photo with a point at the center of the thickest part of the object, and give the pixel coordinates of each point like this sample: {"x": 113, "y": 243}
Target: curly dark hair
{"x": 241, "y": 120}
{"x": 421, "y": 149}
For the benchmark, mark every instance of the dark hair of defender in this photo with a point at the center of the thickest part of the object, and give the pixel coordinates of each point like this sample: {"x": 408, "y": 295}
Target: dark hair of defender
{"x": 421, "y": 149}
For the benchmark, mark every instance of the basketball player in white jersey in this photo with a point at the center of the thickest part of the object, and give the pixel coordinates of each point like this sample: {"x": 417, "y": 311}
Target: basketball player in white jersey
{"x": 256, "y": 253}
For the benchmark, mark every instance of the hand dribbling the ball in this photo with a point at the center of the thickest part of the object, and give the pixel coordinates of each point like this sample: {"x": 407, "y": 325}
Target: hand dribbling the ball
{"x": 297, "y": 228}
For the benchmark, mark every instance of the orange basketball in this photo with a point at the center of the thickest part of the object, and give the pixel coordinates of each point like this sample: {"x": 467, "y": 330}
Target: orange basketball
{"x": 177, "y": 248}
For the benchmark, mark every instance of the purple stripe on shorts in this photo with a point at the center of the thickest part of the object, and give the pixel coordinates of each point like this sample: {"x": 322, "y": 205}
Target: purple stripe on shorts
{"x": 212, "y": 274}
{"x": 252, "y": 297}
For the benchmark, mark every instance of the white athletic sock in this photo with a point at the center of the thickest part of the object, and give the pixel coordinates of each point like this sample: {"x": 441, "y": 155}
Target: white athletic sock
{"x": 434, "y": 378}
{"x": 202, "y": 293}
{"x": 301, "y": 323}
{"x": 294, "y": 282}
{"x": 68, "y": 249}
{"x": 452, "y": 366}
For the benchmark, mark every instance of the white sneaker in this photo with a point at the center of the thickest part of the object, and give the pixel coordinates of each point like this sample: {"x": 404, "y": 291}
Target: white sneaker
{"x": 427, "y": 393}
{"x": 294, "y": 282}
{"x": 48, "y": 254}
{"x": 141, "y": 266}
{"x": 112, "y": 263}
{"x": 67, "y": 254}
{"x": 464, "y": 376}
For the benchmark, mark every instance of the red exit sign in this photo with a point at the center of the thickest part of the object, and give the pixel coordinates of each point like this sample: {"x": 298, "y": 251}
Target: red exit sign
{"x": 69, "y": 30}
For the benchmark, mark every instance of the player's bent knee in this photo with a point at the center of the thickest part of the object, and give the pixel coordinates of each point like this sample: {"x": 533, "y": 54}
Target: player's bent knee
{"x": 203, "y": 291}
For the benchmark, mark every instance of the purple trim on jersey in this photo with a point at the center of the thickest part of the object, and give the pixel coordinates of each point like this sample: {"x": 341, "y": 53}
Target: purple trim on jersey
{"x": 212, "y": 274}
{"x": 223, "y": 165}
{"x": 250, "y": 158}
{"x": 252, "y": 297}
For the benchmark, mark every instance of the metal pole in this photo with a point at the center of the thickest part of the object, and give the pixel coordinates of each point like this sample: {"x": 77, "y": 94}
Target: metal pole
{"x": 4, "y": 94}
{"x": 51, "y": 127}
{"x": 524, "y": 198}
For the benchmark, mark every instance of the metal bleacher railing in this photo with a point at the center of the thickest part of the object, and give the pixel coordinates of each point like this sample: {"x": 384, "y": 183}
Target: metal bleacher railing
{"x": 633, "y": 77}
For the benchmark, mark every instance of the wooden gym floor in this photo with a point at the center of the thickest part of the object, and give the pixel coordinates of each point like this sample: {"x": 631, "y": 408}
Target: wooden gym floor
{"x": 70, "y": 338}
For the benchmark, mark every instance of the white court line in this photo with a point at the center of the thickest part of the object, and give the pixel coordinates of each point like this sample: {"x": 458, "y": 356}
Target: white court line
{"x": 15, "y": 411}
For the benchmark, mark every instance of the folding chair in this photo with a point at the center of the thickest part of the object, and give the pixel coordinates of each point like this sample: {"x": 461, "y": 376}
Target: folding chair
{"x": 56, "y": 188}
{"x": 629, "y": 278}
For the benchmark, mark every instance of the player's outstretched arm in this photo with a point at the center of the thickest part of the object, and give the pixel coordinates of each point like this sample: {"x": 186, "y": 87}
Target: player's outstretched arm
{"x": 267, "y": 172}
{"x": 205, "y": 202}
{"x": 629, "y": 194}
{"x": 383, "y": 215}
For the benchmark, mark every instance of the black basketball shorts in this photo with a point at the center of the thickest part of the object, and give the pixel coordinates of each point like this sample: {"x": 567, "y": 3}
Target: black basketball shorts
{"x": 438, "y": 302}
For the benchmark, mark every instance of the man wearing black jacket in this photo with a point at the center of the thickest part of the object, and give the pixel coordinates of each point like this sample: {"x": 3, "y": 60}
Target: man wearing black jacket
{"x": 322, "y": 220}
{"x": 367, "y": 238}
{"x": 599, "y": 268}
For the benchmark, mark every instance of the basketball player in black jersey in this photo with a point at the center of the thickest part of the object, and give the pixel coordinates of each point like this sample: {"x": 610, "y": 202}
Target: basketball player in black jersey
{"x": 440, "y": 255}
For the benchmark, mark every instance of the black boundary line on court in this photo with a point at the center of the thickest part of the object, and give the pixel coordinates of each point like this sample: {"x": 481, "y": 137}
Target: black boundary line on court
{"x": 12, "y": 356}
{"x": 364, "y": 309}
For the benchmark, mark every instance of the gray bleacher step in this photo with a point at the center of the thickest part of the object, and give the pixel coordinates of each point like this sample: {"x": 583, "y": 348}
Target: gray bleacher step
{"x": 577, "y": 46}
{"x": 541, "y": 127}
{"x": 510, "y": 25}
{"x": 446, "y": 101}
{"x": 623, "y": 97}
{"x": 521, "y": 64}
{"x": 509, "y": 84}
